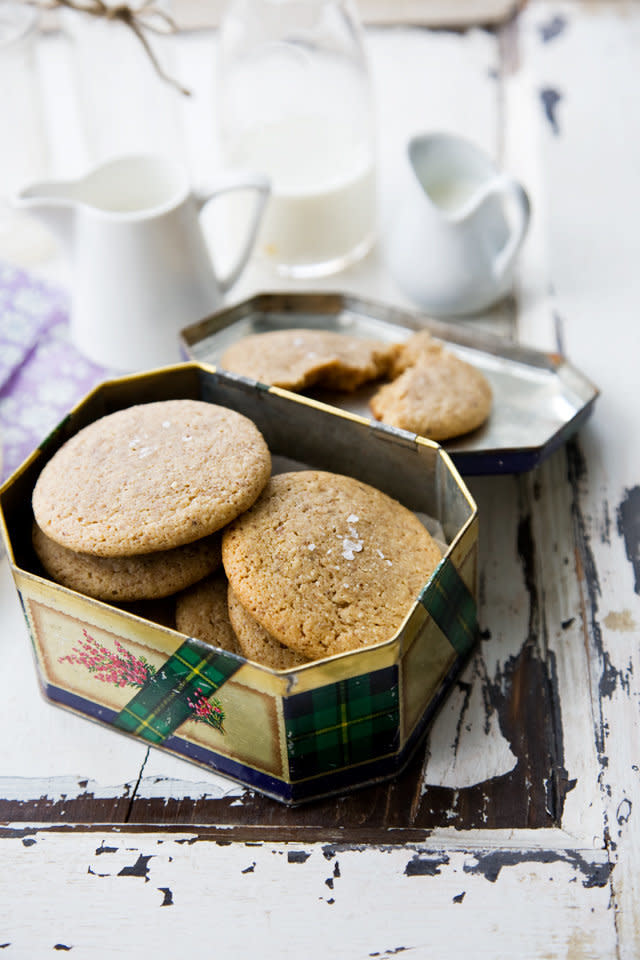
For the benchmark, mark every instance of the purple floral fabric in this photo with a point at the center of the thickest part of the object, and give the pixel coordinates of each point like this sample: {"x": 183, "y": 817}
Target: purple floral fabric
{"x": 42, "y": 374}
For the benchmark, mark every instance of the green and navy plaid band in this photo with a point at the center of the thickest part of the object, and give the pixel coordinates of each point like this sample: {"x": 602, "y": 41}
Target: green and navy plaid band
{"x": 342, "y": 724}
{"x": 166, "y": 700}
{"x": 452, "y": 607}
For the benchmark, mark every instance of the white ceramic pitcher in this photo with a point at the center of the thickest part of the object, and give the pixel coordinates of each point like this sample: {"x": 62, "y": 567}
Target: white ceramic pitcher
{"x": 141, "y": 266}
{"x": 457, "y": 226}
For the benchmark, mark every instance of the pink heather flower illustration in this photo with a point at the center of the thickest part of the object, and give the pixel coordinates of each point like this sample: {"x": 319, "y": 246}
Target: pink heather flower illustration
{"x": 207, "y": 711}
{"x": 123, "y": 669}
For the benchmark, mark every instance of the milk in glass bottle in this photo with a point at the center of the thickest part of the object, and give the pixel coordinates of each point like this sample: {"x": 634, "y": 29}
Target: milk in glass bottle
{"x": 295, "y": 103}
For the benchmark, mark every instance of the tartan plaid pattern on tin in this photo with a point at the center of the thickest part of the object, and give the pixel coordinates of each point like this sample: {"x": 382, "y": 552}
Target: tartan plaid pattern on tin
{"x": 452, "y": 607}
{"x": 163, "y": 703}
{"x": 342, "y": 724}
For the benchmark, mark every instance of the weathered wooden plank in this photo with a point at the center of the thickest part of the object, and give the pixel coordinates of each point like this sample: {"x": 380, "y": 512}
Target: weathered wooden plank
{"x": 553, "y": 525}
{"x": 303, "y": 900}
{"x": 583, "y": 73}
{"x": 511, "y": 685}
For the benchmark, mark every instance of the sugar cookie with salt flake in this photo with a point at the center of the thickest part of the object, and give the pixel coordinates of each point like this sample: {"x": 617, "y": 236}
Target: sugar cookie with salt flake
{"x": 326, "y": 563}
{"x": 151, "y": 477}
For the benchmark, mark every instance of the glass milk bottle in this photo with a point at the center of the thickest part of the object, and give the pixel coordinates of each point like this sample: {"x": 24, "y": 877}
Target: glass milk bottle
{"x": 294, "y": 102}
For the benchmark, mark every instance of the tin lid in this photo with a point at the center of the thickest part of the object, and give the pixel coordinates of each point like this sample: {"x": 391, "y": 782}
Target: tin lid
{"x": 539, "y": 399}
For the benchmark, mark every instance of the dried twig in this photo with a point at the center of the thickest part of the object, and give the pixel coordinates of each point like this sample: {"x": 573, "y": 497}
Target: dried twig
{"x": 139, "y": 20}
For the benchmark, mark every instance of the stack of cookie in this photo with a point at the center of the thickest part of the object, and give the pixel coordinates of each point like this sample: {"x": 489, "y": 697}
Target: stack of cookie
{"x": 202, "y": 611}
{"x": 175, "y": 500}
{"x": 210, "y": 611}
{"x": 130, "y": 508}
{"x": 431, "y": 391}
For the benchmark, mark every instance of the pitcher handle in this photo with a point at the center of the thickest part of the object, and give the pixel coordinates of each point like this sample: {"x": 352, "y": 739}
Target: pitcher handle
{"x": 518, "y": 199}
{"x": 239, "y": 181}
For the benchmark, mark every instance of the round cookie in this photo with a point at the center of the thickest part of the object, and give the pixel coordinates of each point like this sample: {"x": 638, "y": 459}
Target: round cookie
{"x": 439, "y": 397}
{"x": 326, "y": 563}
{"x": 295, "y": 359}
{"x": 201, "y": 611}
{"x": 146, "y": 576}
{"x": 256, "y": 643}
{"x": 151, "y": 477}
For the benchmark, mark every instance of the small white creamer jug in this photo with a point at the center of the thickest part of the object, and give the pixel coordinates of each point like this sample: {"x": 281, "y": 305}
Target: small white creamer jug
{"x": 457, "y": 226}
{"x": 141, "y": 268}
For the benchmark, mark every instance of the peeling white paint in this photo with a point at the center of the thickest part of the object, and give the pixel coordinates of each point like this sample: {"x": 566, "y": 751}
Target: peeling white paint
{"x": 55, "y": 789}
{"x": 169, "y": 777}
{"x": 465, "y": 746}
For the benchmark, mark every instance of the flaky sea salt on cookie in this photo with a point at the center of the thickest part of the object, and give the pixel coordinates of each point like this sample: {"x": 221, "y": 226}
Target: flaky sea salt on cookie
{"x": 296, "y": 359}
{"x": 151, "y": 477}
{"x": 438, "y": 395}
{"x": 326, "y": 563}
{"x": 256, "y": 643}
{"x": 120, "y": 579}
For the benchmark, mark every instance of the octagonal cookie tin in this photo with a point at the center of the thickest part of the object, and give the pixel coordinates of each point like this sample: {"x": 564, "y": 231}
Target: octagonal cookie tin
{"x": 295, "y": 735}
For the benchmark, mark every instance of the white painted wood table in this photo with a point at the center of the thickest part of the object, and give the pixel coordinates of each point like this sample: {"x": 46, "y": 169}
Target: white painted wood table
{"x": 515, "y": 831}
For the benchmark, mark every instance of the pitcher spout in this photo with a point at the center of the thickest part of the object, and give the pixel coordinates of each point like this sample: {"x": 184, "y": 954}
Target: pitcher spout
{"x": 51, "y": 203}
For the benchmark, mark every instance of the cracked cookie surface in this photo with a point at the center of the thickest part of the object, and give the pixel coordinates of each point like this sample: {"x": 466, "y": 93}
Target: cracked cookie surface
{"x": 298, "y": 358}
{"x": 435, "y": 394}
